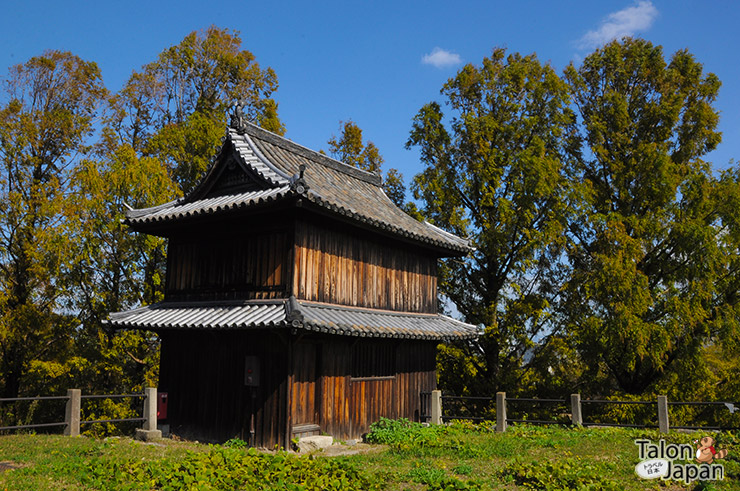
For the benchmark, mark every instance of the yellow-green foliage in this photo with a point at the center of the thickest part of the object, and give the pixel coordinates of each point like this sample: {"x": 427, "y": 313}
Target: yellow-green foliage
{"x": 457, "y": 456}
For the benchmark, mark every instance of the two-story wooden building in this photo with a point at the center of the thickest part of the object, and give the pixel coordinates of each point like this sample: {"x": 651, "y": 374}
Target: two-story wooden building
{"x": 299, "y": 299}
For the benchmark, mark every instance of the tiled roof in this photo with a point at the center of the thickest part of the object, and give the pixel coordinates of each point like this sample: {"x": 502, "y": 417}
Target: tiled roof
{"x": 382, "y": 323}
{"x": 296, "y": 314}
{"x": 332, "y": 185}
{"x": 183, "y": 209}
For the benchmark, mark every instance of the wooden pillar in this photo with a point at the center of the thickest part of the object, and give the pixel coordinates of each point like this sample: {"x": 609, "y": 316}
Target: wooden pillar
{"x": 500, "y": 411}
{"x": 72, "y": 412}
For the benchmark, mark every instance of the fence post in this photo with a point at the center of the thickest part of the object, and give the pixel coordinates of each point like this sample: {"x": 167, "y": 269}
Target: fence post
{"x": 500, "y": 411}
{"x": 575, "y": 409}
{"x": 149, "y": 431}
{"x": 150, "y": 408}
{"x": 663, "y": 424}
{"x": 436, "y": 407}
{"x": 72, "y": 413}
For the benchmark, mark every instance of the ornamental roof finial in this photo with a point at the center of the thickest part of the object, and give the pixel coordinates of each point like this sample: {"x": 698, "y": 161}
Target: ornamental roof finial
{"x": 297, "y": 182}
{"x": 237, "y": 118}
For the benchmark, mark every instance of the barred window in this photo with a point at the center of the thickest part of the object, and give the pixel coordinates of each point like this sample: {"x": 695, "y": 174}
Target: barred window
{"x": 373, "y": 360}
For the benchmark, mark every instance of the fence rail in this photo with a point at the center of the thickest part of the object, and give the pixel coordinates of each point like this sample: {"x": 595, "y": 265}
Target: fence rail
{"x": 112, "y": 396}
{"x": 37, "y": 398}
{"x": 72, "y": 420}
{"x": 433, "y": 405}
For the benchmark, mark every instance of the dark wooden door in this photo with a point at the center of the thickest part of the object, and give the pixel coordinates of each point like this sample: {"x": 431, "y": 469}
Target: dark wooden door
{"x": 304, "y": 402}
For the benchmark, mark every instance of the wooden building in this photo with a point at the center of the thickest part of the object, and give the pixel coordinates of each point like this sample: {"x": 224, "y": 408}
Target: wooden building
{"x": 299, "y": 299}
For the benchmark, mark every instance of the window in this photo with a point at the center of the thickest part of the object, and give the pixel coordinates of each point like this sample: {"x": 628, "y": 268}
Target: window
{"x": 373, "y": 360}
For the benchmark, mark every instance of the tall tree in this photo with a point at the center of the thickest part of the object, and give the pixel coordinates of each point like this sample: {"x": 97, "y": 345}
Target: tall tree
{"x": 160, "y": 133}
{"x": 113, "y": 269}
{"x": 49, "y": 115}
{"x": 350, "y": 148}
{"x": 495, "y": 172}
{"x": 175, "y": 108}
{"x": 395, "y": 188}
{"x": 646, "y": 258}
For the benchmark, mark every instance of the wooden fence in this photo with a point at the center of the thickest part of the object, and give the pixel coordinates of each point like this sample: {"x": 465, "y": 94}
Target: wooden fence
{"x": 73, "y": 407}
{"x": 435, "y": 408}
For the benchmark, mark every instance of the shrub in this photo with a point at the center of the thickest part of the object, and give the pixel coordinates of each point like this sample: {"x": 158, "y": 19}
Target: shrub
{"x": 562, "y": 475}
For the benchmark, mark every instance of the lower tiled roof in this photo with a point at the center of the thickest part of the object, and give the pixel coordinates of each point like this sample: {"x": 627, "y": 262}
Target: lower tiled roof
{"x": 295, "y": 314}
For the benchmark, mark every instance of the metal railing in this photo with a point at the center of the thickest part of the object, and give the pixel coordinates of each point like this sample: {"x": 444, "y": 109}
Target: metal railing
{"x": 37, "y": 425}
{"x": 113, "y": 396}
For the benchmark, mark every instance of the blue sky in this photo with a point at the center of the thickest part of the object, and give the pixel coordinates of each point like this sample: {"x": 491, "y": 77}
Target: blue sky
{"x": 377, "y": 62}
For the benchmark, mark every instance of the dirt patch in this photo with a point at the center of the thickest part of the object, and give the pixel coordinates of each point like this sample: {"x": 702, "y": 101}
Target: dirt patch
{"x": 9, "y": 466}
{"x": 357, "y": 449}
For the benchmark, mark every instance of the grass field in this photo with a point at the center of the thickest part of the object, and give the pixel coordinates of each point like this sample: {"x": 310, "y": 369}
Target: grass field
{"x": 405, "y": 456}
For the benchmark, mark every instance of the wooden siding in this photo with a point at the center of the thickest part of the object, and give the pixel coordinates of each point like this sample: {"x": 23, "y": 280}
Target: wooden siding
{"x": 203, "y": 374}
{"x": 216, "y": 268}
{"x": 349, "y": 405}
{"x": 340, "y": 266}
{"x": 307, "y": 385}
{"x": 304, "y": 403}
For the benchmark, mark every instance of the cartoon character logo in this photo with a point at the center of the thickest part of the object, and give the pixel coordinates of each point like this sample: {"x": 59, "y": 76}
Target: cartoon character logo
{"x": 705, "y": 452}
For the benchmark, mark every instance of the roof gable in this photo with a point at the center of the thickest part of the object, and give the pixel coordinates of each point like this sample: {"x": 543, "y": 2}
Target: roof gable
{"x": 238, "y": 168}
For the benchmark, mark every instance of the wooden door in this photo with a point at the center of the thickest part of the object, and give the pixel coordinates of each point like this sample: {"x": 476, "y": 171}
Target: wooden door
{"x": 303, "y": 398}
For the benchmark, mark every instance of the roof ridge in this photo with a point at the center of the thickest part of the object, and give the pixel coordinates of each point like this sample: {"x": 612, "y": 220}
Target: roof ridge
{"x": 359, "y": 308}
{"x": 320, "y": 158}
{"x": 394, "y": 313}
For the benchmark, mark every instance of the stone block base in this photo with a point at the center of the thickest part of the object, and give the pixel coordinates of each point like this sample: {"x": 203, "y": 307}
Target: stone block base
{"x": 148, "y": 435}
{"x": 310, "y": 443}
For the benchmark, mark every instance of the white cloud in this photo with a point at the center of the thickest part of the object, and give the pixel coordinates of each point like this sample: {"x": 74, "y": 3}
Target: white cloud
{"x": 625, "y": 22}
{"x": 441, "y": 58}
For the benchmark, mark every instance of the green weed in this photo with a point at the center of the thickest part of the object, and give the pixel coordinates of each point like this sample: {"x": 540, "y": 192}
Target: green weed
{"x": 456, "y": 456}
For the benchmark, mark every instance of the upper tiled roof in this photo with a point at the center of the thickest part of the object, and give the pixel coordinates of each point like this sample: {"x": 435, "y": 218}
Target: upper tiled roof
{"x": 329, "y": 184}
{"x": 296, "y": 314}
{"x": 184, "y": 209}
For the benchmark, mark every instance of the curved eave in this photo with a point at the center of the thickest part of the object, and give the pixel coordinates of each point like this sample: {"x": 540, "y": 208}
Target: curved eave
{"x": 177, "y": 212}
{"x": 448, "y": 241}
{"x": 308, "y": 316}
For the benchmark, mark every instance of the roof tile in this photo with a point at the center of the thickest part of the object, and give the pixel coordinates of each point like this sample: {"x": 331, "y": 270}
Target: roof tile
{"x": 326, "y": 318}
{"x": 332, "y": 185}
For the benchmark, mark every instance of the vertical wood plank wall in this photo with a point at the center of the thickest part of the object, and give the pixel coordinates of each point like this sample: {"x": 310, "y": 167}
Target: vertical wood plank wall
{"x": 303, "y": 391}
{"x": 338, "y": 266}
{"x": 203, "y": 373}
{"x": 348, "y": 405}
{"x": 217, "y": 268}
{"x": 306, "y": 378}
